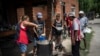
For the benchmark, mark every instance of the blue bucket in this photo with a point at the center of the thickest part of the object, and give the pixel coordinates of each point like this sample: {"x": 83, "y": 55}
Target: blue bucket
{"x": 41, "y": 38}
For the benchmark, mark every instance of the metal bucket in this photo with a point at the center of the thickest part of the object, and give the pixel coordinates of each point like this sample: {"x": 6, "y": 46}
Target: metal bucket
{"x": 44, "y": 48}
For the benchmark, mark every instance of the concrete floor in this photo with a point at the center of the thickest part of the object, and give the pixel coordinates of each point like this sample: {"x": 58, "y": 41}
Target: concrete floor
{"x": 95, "y": 42}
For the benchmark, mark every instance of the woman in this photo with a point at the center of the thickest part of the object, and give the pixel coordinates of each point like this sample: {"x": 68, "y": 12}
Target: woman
{"x": 23, "y": 37}
{"x": 58, "y": 26}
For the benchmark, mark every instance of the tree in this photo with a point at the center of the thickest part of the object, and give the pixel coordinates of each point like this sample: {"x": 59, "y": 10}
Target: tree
{"x": 89, "y": 5}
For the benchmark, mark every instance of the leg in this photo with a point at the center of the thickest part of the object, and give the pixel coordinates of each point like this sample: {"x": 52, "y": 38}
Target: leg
{"x": 23, "y": 48}
{"x": 85, "y": 41}
{"x": 75, "y": 49}
{"x": 34, "y": 46}
{"x": 34, "y": 50}
{"x": 23, "y": 54}
{"x": 59, "y": 39}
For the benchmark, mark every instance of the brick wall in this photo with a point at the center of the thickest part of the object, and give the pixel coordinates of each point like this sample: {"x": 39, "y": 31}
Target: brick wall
{"x": 20, "y": 12}
{"x": 35, "y": 10}
{"x": 68, "y": 5}
{"x": 46, "y": 10}
{"x": 42, "y": 9}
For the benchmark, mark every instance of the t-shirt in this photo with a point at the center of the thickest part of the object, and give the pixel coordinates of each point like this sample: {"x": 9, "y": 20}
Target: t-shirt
{"x": 75, "y": 26}
{"x": 84, "y": 22}
{"x": 41, "y": 25}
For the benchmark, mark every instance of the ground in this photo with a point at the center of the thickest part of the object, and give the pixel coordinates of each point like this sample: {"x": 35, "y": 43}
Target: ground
{"x": 95, "y": 42}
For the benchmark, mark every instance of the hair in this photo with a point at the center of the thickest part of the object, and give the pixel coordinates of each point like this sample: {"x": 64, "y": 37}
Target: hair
{"x": 73, "y": 16}
{"x": 58, "y": 15}
{"x": 24, "y": 17}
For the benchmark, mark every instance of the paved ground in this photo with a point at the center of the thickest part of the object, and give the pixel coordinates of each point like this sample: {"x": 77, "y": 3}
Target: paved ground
{"x": 95, "y": 42}
{"x": 95, "y": 21}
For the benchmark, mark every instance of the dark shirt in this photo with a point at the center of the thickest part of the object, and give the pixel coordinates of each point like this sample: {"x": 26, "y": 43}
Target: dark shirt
{"x": 41, "y": 25}
{"x": 58, "y": 24}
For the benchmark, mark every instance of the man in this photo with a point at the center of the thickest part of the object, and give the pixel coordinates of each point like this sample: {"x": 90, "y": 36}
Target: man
{"x": 75, "y": 34}
{"x": 40, "y": 30}
{"x": 84, "y": 22}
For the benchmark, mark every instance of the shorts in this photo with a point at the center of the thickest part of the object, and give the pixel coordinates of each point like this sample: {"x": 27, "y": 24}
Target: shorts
{"x": 23, "y": 47}
{"x": 53, "y": 31}
{"x": 58, "y": 32}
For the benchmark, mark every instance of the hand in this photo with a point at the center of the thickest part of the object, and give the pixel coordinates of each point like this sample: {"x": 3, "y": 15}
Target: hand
{"x": 43, "y": 34}
{"x": 36, "y": 26}
{"x": 62, "y": 27}
{"x": 56, "y": 28}
{"x": 37, "y": 35}
{"x": 73, "y": 42}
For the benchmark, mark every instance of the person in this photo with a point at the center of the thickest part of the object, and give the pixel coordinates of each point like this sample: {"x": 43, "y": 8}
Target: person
{"x": 75, "y": 34}
{"x": 22, "y": 40}
{"x": 39, "y": 31}
{"x": 68, "y": 24}
{"x": 58, "y": 24}
{"x": 84, "y": 23}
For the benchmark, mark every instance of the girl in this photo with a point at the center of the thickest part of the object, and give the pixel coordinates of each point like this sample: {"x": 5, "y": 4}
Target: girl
{"x": 23, "y": 37}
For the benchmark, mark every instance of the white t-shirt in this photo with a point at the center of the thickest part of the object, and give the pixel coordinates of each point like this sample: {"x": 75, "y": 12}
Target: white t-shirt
{"x": 83, "y": 21}
{"x": 76, "y": 24}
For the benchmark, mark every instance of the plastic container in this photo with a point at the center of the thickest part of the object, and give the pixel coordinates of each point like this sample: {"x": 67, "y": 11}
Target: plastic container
{"x": 42, "y": 38}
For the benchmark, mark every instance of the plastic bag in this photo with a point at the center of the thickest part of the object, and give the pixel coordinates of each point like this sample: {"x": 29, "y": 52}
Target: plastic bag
{"x": 67, "y": 44}
{"x": 87, "y": 30}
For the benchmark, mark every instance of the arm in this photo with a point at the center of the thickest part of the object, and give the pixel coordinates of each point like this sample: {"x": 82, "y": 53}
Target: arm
{"x": 62, "y": 23}
{"x": 73, "y": 40}
{"x": 86, "y": 22}
{"x": 44, "y": 29}
{"x": 76, "y": 28}
{"x": 53, "y": 24}
{"x": 30, "y": 24}
{"x": 76, "y": 34}
{"x": 35, "y": 31}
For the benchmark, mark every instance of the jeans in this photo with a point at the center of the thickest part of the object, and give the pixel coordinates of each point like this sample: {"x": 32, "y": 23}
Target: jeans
{"x": 75, "y": 49}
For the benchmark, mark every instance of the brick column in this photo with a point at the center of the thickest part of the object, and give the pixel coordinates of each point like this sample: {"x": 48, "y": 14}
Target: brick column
{"x": 48, "y": 20}
{"x": 28, "y": 10}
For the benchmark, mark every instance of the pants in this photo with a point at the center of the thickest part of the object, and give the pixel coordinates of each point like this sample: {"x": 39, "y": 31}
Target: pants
{"x": 75, "y": 49}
